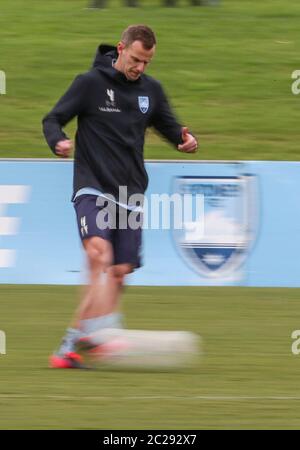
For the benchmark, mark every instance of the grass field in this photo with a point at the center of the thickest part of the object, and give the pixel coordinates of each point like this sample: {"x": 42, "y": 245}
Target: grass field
{"x": 247, "y": 378}
{"x": 227, "y": 70}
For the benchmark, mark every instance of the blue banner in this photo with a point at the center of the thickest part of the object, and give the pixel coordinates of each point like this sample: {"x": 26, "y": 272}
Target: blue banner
{"x": 206, "y": 223}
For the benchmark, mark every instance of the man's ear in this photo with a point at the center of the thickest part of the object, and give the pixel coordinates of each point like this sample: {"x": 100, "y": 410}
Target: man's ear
{"x": 120, "y": 47}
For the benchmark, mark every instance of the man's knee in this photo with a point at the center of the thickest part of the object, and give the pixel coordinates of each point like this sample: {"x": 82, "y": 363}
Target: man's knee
{"x": 97, "y": 251}
{"x": 119, "y": 271}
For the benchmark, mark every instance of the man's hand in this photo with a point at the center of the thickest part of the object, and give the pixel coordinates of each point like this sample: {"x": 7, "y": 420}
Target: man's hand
{"x": 190, "y": 144}
{"x": 64, "y": 148}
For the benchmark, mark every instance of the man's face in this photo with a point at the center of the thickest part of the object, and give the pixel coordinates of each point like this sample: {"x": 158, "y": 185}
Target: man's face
{"x": 134, "y": 59}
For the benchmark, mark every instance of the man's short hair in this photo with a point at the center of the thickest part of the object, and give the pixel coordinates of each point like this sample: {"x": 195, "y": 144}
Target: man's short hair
{"x": 140, "y": 33}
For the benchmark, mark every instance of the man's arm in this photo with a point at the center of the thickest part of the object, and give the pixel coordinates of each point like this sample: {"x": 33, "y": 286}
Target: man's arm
{"x": 70, "y": 105}
{"x": 165, "y": 122}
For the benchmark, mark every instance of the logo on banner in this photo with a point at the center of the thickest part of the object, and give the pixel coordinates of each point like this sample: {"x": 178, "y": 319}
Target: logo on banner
{"x": 144, "y": 104}
{"x": 218, "y": 244}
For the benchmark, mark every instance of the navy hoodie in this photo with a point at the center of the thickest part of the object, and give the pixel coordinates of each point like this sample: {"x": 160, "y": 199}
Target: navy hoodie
{"x": 113, "y": 114}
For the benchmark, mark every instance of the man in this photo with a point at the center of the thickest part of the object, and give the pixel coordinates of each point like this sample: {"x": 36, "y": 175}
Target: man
{"x": 114, "y": 102}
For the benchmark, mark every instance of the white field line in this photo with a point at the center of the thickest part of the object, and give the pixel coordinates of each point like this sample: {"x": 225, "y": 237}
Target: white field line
{"x": 154, "y": 397}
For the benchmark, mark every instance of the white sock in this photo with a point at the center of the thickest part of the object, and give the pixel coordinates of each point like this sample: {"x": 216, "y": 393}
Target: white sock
{"x": 69, "y": 340}
{"x": 113, "y": 320}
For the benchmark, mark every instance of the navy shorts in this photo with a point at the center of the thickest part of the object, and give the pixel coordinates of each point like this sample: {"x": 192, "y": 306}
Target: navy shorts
{"x": 104, "y": 220}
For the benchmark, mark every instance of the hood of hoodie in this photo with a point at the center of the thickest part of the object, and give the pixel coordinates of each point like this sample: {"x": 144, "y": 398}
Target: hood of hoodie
{"x": 105, "y": 57}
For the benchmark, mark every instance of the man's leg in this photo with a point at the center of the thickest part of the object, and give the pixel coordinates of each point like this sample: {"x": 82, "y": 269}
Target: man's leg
{"x": 105, "y": 297}
{"x": 99, "y": 257}
{"x": 103, "y": 311}
{"x": 99, "y": 306}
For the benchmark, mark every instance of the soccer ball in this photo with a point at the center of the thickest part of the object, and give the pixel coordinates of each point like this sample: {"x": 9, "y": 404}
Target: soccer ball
{"x": 121, "y": 348}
